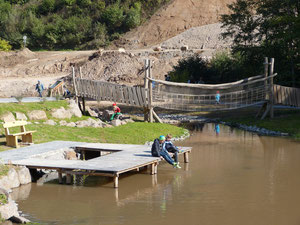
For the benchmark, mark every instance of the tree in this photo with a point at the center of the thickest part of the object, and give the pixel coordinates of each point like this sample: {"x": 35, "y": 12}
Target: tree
{"x": 267, "y": 28}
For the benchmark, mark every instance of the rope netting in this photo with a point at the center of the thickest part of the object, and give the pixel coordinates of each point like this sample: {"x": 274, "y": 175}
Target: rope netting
{"x": 201, "y": 97}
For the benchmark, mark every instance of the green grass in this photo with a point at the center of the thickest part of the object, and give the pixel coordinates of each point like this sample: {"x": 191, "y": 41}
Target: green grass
{"x": 3, "y": 170}
{"x": 3, "y": 199}
{"x": 131, "y": 133}
{"x": 285, "y": 121}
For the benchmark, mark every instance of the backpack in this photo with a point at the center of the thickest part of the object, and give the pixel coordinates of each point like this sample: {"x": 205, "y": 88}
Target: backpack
{"x": 155, "y": 150}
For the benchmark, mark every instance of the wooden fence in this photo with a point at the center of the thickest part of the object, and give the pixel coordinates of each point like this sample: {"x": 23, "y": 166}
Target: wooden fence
{"x": 104, "y": 91}
{"x": 286, "y": 95}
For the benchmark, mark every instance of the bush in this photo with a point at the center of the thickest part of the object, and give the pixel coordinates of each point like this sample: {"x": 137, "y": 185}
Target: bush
{"x": 4, "y": 45}
{"x": 225, "y": 67}
{"x": 193, "y": 68}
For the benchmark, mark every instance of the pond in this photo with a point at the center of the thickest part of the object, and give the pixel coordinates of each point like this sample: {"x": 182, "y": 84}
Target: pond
{"x": 233, "y": 178}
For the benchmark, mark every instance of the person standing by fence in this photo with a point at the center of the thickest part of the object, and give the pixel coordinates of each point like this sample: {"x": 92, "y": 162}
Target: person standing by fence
{"x": 218, "y": 96}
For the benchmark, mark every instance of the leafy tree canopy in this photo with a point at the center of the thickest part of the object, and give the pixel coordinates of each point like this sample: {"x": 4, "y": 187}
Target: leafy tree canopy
{"x": 267, "y": 28}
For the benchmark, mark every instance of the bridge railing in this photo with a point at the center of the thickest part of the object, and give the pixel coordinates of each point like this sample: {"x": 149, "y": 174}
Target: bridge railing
{"x": 286, "y": 95}
{"x": 104, "y": 91}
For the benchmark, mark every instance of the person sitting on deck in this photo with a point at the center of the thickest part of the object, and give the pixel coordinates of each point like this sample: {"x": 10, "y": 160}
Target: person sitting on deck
{"x": 159, "y": 150}
{"x": 172, "y": 148}
{"x": 117, "y": 112}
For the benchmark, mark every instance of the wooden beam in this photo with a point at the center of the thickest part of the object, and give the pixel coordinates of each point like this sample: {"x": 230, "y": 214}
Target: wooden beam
{"x": 156, "y": 118}
{"x": 266, "y": 111}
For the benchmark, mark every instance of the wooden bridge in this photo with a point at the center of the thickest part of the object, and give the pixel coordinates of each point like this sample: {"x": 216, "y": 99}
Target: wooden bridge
{"x": 256, "y": 90}
{"x": 109, "y": 160}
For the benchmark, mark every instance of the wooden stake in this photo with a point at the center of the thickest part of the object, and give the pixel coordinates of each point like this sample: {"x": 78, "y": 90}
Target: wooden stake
{"x": 146, "y": 111}
{"x": 74, "y": 83}
{"x": 272, "y": 88}
{"x": 150, "y": 94}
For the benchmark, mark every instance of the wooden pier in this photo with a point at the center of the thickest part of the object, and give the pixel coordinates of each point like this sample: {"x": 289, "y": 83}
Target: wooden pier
{"x": 108, "y": 160}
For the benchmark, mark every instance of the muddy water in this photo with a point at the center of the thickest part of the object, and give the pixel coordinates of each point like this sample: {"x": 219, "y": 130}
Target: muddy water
{"x": 233, "y": 178}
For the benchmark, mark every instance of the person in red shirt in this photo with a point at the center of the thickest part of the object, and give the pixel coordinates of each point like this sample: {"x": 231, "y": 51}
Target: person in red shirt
{"x": 117, "y": 112}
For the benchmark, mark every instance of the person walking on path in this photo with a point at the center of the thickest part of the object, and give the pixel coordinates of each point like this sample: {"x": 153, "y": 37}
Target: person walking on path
{"x": 39, "y": 87}
{"x": 159, "y": 150}
{"x": 117, "y": 112}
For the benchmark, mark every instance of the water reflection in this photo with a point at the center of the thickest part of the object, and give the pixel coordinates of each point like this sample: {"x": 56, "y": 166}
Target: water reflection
{"x": 217, "y": 129}
{"x": 232, "y": 179}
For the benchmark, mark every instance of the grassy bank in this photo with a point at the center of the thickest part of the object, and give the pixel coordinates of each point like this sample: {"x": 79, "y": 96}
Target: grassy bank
{"x": 285, "y": 120}
{"x": 131, "y": 133}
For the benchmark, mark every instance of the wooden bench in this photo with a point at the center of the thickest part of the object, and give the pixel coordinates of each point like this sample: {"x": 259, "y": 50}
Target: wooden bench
{"x": 12, "y": 139}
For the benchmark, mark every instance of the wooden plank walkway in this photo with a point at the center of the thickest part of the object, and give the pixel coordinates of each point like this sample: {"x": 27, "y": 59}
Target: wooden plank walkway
{"x": 122, "y": 158}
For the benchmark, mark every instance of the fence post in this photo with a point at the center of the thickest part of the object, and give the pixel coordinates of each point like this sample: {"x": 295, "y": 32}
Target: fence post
{"x": 146, "y": 112}
{"x": 266, "y": 65}
{"x": 272, "y": 88}
{"x": 74, "y": 83}
{"x": 150, "y": 93}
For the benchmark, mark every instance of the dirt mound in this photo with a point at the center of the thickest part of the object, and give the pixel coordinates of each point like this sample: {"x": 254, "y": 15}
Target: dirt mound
{"x": 13, "y": 58}
{"x": 26, "y": 53}
{"x": 174, "y": 19}
{"x": 128, "y": 67}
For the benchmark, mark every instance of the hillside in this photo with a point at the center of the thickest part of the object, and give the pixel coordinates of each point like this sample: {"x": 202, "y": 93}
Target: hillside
{"x": 173, "y": 19}
{"x": 20, "y": 70}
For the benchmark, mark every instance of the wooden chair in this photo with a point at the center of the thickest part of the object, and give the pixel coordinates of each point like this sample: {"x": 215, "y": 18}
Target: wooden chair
{"x": 12, "y": 139}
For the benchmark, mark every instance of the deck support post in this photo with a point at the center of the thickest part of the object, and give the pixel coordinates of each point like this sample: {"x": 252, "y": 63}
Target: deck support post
{"x": 69, "y": 178}
{"x": 116, "y": 180}
{"x": 60, "y": 178}
{"x": 186, "y": 157}
{"x": 153, "y": 168}
{"x": 154, "y": 180}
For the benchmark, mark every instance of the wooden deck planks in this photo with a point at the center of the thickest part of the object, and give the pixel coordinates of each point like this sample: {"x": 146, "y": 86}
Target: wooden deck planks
{"x": 127, "y": 158}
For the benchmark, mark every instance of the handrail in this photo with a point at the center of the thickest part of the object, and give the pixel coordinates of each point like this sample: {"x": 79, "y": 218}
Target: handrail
{"x": 217, "y": 86}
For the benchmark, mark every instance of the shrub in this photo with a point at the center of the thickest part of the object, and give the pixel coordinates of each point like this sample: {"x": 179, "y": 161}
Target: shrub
{"x": 4, "y": 45}
{"x": 193, "y": 68}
